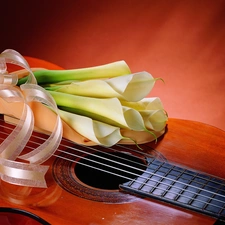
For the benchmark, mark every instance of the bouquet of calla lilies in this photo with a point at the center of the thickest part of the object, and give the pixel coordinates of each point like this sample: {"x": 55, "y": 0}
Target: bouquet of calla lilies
{"x": 101, "y": 105}
{"x": 107, "y": 103}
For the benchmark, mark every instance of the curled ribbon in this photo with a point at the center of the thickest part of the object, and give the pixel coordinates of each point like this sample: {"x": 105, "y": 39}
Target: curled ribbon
{"x": 26, "y": 174}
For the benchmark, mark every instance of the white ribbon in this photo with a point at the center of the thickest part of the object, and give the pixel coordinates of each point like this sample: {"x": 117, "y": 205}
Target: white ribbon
{"x": 11, "y": 148}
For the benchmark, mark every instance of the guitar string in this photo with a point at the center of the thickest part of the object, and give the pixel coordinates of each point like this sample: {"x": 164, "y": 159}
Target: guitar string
{"x": 206, "y": 204}
{"x": 130, "y": 149}
{"x": 157, "y": 154}
{"x": 120, "y": 158}
{"x": 107, "y": 159}
{"x": 209, "y": 204}
{"x": 116, "y": 162}
{"x": 148, "y": 179}
{"x": 191, "y": 198}
{"x": 122, "y": 146}
{"x": 149, "y": 185}
{"x": 128, "y": 165}
{"x": 128, "y": 178}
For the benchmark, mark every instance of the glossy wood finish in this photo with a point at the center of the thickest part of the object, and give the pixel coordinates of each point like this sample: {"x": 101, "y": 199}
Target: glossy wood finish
{"x": 187, "y": 143}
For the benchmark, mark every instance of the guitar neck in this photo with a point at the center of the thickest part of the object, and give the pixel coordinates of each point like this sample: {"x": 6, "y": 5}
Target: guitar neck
{"x": 186, "y": 188}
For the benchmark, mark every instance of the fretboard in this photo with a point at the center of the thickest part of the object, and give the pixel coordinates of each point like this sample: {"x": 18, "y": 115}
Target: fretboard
{"x": 192, "y": 190}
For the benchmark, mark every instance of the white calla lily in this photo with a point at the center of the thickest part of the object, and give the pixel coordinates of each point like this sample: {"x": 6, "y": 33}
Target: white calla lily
{"x": 98, "y": 132}
{"x": 152, "y": 112}
{"x": 107, "y": 110}
{"x": 107, "y": 94}
{"x": 154, "y": 119}
{"x": 131, "y": 87}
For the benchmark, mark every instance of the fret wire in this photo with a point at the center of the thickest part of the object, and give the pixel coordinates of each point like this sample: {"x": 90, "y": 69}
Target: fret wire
{"x": 164, "y": 177}
{"x": 203, "y": 178}
{"x": 184, "y": 188}
{"x": 188, "y": 172}
{"x": 188, "y": 184}
{"x": 221, "y": 210}
{"x": 185, "y": 185}
{"x": 198, "y": 176}
{"x": 215, "y": 194}
{"x": 169, "y": 186}
{"x": 198, "y": 194}
{"x": 147, "y": 180}
{"x": 209, "y": 199}
{"x": 167, "y": 178}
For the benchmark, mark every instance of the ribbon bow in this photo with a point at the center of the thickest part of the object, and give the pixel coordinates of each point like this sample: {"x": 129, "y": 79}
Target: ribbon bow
{"x": 21, "y": 173}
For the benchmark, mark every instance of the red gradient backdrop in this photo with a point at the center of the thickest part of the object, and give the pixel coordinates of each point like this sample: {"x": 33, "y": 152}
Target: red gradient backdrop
{"x": 181, "y": 41}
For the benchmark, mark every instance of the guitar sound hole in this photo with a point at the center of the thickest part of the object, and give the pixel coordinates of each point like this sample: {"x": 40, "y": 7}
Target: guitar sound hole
{"x": 107, "y": 172}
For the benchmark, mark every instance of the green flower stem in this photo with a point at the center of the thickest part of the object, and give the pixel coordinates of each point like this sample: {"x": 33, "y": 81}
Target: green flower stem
{"x": 97, "y": 72}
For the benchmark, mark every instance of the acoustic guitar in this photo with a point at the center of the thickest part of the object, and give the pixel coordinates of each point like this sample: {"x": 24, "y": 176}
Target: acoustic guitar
{"x": 178, "y": 180}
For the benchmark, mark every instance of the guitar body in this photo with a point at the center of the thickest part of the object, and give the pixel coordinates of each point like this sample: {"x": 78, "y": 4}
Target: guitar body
{"x": 186, "y": 143}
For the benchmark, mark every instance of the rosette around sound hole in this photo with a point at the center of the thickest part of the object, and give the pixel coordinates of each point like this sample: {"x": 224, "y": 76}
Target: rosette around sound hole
{"x": 95, "y": 173}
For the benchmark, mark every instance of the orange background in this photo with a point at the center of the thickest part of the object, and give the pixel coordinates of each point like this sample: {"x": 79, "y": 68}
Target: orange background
{"x": 181, "y": 41}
